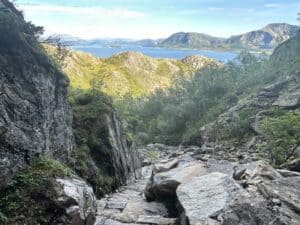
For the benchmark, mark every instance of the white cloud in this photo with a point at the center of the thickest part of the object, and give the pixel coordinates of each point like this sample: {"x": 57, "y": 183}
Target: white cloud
{"x": 216, "y": 9}
{"x": 117, "y": 12}
{"x": 272, "y": 5}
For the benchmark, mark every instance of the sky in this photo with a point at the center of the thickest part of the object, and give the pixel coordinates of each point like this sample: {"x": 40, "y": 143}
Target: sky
{"x": 139, "y": 19}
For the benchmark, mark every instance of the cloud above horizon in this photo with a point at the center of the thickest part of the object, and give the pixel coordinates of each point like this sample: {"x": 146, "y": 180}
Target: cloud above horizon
{"x": 137, "y": 19}
{"x": 87, "y": 11}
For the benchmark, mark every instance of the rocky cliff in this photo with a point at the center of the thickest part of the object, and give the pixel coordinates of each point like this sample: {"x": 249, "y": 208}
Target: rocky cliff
{"x": 43, "y": 175}
{"x": 35, "y": 117}
{"x": 104, "y": 154}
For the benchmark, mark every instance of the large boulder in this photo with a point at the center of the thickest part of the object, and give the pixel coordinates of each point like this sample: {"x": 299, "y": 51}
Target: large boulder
{"x": 78, "y": 200}
{"x": 203, "y": 198}
{"x": 165, "y": 183}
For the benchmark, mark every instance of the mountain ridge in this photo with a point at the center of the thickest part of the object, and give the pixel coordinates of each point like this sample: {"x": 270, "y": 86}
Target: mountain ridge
{"x": 266, "y": 38}
{"x": 127, "y": 72}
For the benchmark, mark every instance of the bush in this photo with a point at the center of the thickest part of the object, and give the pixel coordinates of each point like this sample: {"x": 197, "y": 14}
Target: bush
{"x": 92, "y": 158}
{"x": 28, "y": 195}
{"x": 283, "y": 135}
{"x": 239, "y": 127}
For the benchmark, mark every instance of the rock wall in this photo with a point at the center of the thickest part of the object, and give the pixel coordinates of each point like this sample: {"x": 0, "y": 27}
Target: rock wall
{"x": 35, "y": 117}
{"x": 125, "y": 158}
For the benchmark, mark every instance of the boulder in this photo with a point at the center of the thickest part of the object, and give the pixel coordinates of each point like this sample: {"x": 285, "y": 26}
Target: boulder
{"x": 78, "y": 199}
{"x": 163, "y": 167}
{"x": 286, "y": 189}
{"x": 254, "y": 210}
{"x": 288, "y": 100}
{"x": 294, "y": 165}
{"x": 165, "y": 183}
{"x": 203, "y": 198}
{"x": 264, "y": 170}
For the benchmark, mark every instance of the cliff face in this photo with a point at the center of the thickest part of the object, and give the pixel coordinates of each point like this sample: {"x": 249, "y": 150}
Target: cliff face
{"x": 104, "y": 154}
{"x": 35, "y": 118}
{"x": 37, "y": 141}
{"x": 125, "y": 159}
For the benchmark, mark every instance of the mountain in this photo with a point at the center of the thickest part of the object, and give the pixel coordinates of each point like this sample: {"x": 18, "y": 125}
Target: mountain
{"x": 128, "y": 72}
{"x": 266, "y": 38}
{"x": 192, "y": 40}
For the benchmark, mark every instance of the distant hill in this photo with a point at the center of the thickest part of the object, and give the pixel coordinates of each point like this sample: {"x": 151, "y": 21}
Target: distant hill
{"x": 266, "y": 38}
{"x": 126, "y": 73}
{"x": 64, "y": 39}
{"x": 192, "y": 40}
{"x": 149, "y": 42}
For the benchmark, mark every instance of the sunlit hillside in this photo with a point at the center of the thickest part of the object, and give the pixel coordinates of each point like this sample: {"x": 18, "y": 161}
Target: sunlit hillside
{"x": 125, "y": 73}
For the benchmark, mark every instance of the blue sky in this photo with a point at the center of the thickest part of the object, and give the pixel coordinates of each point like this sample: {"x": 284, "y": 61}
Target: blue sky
{"x": 137, "y": 19}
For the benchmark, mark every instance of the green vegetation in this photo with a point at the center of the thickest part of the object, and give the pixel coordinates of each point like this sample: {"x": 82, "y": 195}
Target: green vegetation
{"x": 128, "y": 73}
{"x": 175, "y": 115}
{"x": 16, "y": 30}
{"x": 92, "y": 158}
{"x": 282, "y": 133}
{"x": 29, "y": 194}
{"x": 239, "y": 127}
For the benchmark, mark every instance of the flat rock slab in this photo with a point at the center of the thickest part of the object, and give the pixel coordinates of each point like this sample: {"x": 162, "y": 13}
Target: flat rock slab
{"x": 104, "y": 221}
{"x": 163, "y": 167}
{"x": 156, "y": 220}
{"x": 206, "y": 196}
{"x": 116, "y": 205}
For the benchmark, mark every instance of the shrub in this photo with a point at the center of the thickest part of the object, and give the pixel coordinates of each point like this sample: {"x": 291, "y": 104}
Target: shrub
{"x": 283, "y": 135}
{"x": 28, "y": 195}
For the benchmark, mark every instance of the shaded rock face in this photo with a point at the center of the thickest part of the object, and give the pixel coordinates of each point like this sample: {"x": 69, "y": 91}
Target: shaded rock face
{"x": 124, "y": 156}
{"x": 35, "y": 118}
